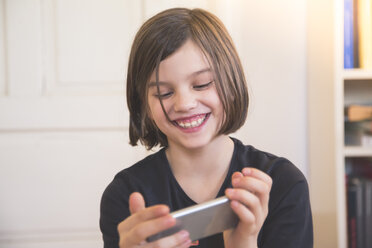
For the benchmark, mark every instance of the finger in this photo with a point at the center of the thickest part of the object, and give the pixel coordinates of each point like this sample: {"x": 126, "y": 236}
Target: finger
{"x": 148, "y": 228}
{"x": 244, "y": 214}
{"x": 253, "y": 172}
{"x": 247, "y": 199}
{"x": 255, "y": 186}
{"x": 179, "y": 239}
{"x": 141, "y": 216}
{"x": 251, "y": 184}
{"x": 237, "y": 174}
{"x": 136, "y": 202}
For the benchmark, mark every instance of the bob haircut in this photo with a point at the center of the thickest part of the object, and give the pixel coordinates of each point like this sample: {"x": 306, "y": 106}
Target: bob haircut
{"x": 162, "y": 35}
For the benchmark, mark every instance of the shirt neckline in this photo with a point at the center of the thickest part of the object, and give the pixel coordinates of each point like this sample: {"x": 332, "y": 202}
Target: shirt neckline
{"x": 226, "y": 183}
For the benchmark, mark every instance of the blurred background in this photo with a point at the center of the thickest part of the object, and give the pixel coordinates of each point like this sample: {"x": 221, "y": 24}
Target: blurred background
{"x": 64, "y": 120}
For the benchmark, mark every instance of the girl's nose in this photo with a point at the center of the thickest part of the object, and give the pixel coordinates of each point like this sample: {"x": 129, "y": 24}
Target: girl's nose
{"x": 185, "y": 102}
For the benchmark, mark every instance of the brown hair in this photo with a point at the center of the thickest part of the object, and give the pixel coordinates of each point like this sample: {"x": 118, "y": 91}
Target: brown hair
{"x": 161, "y": 36}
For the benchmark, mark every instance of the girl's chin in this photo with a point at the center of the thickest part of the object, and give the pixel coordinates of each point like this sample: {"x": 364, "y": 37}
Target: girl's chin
{"x": 196, "y": 143}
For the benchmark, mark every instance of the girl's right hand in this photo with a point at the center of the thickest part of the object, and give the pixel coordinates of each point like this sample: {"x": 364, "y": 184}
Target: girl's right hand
{"x": 144, "y": 222}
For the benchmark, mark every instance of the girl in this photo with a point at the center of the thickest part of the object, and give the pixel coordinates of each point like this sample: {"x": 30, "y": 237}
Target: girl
{"x": 186, "y": 92}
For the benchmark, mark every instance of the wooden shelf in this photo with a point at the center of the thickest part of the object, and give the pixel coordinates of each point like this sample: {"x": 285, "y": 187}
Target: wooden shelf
{"x": 358, "y": 151}
{"x": 357, "y": 74}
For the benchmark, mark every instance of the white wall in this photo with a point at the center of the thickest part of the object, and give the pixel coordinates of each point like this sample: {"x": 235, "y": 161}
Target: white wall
{"x": 63, "y": 119}
{"x": 271, "y": 39}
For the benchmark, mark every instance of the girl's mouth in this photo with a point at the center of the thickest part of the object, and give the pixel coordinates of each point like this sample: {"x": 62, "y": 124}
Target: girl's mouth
{"x": 192, "y": 122}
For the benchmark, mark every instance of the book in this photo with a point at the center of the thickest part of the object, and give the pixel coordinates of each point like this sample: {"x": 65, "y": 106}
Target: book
{"x": 359, "y": 201}
{"x": 368, "y": 213}
{"x": 349, "y": 34}
{"x": 355, "y": 219}
{"x": 358, "y": 133}
{"x": 356, "y": 34}
{"x": 365, "y": 33}
{"x": 359, "y": 167}
{"x": 351, "y": 216}
{"x": 358, "y": 112}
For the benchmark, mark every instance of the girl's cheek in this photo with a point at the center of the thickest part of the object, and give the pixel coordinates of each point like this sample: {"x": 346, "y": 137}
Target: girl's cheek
{"x": 167, "y": 103}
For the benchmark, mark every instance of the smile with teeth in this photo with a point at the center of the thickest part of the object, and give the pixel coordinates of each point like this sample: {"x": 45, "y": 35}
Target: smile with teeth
{"x": 192, "y": 122}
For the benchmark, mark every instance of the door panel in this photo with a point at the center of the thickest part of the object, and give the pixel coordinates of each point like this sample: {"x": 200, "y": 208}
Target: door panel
{"x": 63, "y": 116}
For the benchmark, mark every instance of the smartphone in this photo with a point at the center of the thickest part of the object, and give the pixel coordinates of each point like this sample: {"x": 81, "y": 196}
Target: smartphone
{"x": 202, "y": 220}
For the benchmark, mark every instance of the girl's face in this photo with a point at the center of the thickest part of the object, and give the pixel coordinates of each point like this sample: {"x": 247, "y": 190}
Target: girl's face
{"x": 189, "y": 96}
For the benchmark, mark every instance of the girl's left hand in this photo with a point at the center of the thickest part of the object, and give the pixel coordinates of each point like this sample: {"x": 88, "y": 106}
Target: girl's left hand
{"x": 250, "y": 201}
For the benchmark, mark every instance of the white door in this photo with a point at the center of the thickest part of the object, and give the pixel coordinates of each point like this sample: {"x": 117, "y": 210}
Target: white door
{"x": 63, "y": 116}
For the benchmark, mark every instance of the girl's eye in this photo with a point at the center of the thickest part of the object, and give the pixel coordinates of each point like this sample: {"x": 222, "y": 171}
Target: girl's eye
{"x": 203, "y": 86}
{"x": 164, "y": 95}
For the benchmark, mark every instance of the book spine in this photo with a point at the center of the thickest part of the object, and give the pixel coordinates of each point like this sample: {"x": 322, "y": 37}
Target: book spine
{"x": 365, "y": 33}
{"x": 348, "y": 34}
{"x": 358, "y": 133}
{"x": 351, "y": 216}
{"x": 368, "y": 213}
{"x": 356, "y": 34}
{"x": 356, "y": 222}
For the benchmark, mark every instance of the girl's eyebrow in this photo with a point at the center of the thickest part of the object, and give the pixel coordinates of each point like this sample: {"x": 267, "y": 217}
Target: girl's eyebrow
{"x": 200, "y": 72}
{"x": 153, "y": 84}
{"x": 194, "y": 74}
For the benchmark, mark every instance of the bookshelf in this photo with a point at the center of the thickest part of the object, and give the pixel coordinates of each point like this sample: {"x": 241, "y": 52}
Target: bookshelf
{"x": 330, "y": 88}
{"x": 356, "y": 87}
{"x": 352, "y": 86}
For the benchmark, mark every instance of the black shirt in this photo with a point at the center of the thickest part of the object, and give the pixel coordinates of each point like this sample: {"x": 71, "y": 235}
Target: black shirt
{"x": 289, "y": 221}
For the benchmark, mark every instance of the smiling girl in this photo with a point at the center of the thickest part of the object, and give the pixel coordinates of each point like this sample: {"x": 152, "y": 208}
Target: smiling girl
{"x": 186, "y": 92}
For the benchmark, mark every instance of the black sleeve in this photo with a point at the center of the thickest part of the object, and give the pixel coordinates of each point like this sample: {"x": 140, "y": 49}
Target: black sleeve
{"x": 289, "y": 224}
{"x": 114, "y": 209}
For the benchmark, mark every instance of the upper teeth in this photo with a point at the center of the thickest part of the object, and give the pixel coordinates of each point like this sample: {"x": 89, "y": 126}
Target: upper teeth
{"x": 194, "y": 123}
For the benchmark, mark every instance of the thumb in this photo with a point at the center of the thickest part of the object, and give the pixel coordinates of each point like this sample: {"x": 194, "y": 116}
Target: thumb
{"x": 136, "y": 202}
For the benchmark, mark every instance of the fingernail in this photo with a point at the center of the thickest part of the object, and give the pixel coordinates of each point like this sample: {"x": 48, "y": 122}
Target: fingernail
{"x": 164, "y": 209}
{"x": 237, "y": 174}
{"x": 169, "y": 219}
{"x": 229, "y": 192}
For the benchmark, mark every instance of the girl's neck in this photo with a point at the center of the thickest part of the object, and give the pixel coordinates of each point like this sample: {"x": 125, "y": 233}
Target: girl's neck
{"x": 196, "y": 167}
{"x": 211, "y": 155}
